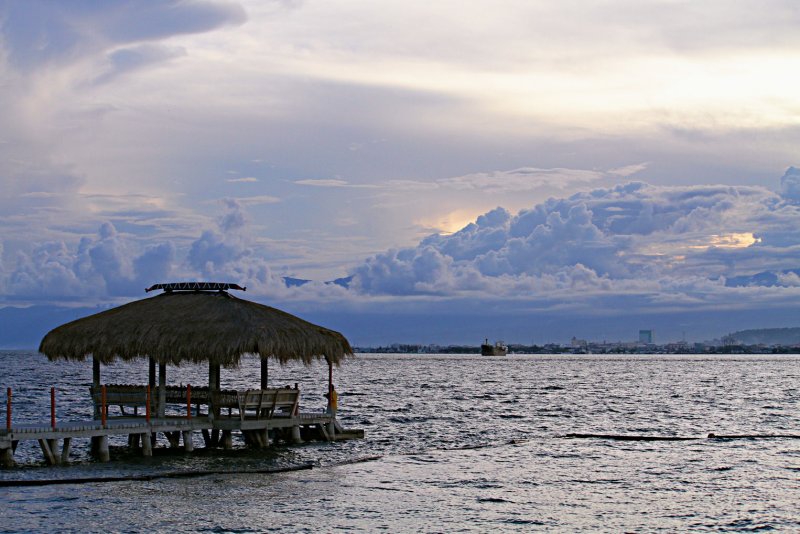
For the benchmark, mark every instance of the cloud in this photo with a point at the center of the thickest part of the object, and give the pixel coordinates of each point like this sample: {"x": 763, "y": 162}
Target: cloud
{"x": 128, "y": 60}
{"x": 38, "y": 32}
{"x": 256, "y": 200}
{"x": 325, "y": 182}
{"x": 790, "y": 184}
{"x": 248, "y": 179}
{"x": 102, "y": 265}
{"x": 668, "y": 246}
{"x": 527, "y": 179}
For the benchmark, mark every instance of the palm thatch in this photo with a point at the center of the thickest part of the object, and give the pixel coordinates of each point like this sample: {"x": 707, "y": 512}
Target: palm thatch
{"x": 176, "y": 327}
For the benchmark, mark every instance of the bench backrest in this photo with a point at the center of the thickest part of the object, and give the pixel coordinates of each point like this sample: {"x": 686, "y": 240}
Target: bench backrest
{"x": 268, "y": 402}
{"x": 120, "y": 395}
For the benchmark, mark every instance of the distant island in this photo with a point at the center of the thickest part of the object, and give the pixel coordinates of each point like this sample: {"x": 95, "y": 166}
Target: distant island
{"x": 765, "y": 336}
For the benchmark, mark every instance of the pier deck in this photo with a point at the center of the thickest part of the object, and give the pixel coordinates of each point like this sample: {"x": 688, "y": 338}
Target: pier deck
{"x": 319, "y": 426}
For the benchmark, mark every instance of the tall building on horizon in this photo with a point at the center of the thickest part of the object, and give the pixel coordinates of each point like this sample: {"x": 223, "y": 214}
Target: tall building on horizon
{"x": 646, "y": 337}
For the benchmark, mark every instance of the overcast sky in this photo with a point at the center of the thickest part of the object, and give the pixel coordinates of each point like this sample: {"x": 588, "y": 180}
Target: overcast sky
{"x": 526, "y": 159}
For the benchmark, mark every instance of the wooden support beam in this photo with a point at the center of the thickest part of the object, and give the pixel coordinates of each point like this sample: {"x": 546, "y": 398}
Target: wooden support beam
{"x": 95, "y": 372}
{"x": 65, "y": 450}
{"x": 103, "y": 453}
{"x": 332, "y": 430}
{"x": 227, "y": 440}
{"x": 213, "y": 387}
{"x": 296, "y": 439}
{"x": 264, "y": 373}
{"x": 7, "y": 457}
{"x": 174, "y": 439}
{"x": 49, "y": 457}
{"x": 147, "y": 445}
{"x": 96, "y": 383}
{"x": 53, "y": 444}
{"x": 151, "y": 373}
{"x": 188, "y": 445}
{"x": 162, "y": 390}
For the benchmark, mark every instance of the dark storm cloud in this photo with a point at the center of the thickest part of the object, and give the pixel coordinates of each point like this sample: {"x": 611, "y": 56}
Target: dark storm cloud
{"x": 38, "y": 32}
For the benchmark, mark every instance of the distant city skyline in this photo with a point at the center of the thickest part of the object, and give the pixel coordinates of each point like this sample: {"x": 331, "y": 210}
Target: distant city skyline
{"x": 463, "y": 170}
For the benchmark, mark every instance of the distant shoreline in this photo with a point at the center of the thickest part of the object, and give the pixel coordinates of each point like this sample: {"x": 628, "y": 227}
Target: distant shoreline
{"x": 589, "y": 348}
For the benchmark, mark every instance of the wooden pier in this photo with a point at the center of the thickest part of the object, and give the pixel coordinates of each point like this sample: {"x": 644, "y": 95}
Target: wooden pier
{"x": 261, "y": 417}
{"x": 189, "y": 322}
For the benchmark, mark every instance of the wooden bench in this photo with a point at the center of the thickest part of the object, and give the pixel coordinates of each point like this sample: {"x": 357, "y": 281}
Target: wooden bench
{"x": 268, "y": 403}
{"x": 122, "y": 396}
{"x": 135, "y": 396}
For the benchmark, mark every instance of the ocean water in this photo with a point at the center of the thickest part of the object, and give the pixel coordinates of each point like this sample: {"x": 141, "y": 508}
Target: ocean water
{"x": 453, "y": 444}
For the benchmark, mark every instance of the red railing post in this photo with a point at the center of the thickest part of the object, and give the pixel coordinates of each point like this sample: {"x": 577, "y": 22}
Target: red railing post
{"x": 8, "y": 409}
{"x": 53, "y": 408}
{"x": 188, "y": 401}
{"x": 147, "y": 407}
{"x": 104, "y": 408}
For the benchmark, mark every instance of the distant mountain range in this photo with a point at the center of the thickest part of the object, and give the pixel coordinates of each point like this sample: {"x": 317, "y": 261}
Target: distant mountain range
{"x": 763, "y": 279}
{"x": 766, "y": 336}
{"x": 294, "y": 282}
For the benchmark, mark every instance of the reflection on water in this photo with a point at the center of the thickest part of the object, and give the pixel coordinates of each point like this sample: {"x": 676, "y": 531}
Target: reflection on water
{"x": 466, "y": 443}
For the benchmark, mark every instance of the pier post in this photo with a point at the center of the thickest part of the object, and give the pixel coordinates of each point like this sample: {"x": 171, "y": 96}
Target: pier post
{"x": 213, "y": 389}
{"x": 49, "y": 457}
{"x": 8, "y": 409}
{"x": 264, "y": 373}
{"x": 96, "y": 382}
{"x": 296, "y": 439}
{"x": 162, "y": 390}
{"x": 65, "y": 450}
{"x": 147, "y": 445}
{"x": 174, "y": 439}
{"x": 103, "y": 451}
{"x": 53, "y": 444}
{"x": 188, "y": 445}
{"x": 332, "y": 430}
{"x": 151, "y": 374}
{"x": 264, "y": 437}
{"x": 7, "y": 457}
{"x": 53, "y": 408}
{"x": 227, "y": 440}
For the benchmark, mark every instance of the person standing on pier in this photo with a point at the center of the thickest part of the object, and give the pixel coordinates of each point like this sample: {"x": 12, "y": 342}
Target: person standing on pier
{"x": 333, "y": 401}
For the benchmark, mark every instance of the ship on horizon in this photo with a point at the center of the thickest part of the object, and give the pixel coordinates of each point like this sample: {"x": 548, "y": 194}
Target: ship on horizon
{"x": 498, "y": 349}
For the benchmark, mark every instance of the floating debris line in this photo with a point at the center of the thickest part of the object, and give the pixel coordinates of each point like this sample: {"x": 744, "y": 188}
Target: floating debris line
{"x": 154, "y": 476}
{"x": 626, "y": 437}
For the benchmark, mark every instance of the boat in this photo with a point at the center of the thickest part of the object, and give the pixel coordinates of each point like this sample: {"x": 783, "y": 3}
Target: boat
{"x": 498, "y": 349}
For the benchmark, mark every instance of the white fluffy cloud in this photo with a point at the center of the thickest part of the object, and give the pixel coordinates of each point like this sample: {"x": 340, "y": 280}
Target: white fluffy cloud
{"x": 790, "y": 184}
{"x": 668, "y": 244}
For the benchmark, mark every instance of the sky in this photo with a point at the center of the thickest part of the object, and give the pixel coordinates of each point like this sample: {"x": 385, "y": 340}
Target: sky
{"x": 524, "y": 170}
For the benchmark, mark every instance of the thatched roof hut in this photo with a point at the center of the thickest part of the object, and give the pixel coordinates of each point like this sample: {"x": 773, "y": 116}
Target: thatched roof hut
{"x": 194, "y": 326}
{"x": 193, "y": 322}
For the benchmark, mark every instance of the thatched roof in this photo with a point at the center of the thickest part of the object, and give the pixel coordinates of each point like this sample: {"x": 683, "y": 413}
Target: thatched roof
{"x": 193, "y": 326}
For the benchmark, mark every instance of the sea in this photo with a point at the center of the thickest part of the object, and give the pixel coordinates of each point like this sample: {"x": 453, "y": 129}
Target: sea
{"x": 453, "y": 443}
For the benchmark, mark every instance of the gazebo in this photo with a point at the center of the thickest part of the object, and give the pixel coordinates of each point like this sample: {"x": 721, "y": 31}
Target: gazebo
{"x": 193, "y": 322}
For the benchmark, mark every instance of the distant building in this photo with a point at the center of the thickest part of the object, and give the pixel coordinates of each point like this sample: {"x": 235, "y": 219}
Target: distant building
{"x": 646, "y": 337}
{"x": 576, "y": 343}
